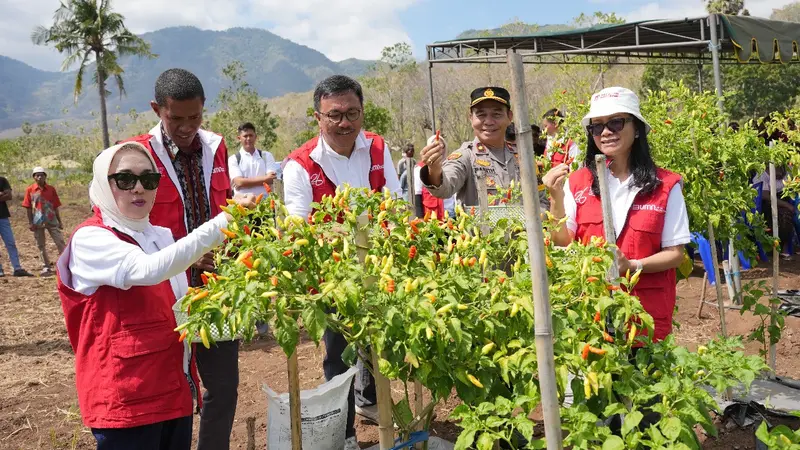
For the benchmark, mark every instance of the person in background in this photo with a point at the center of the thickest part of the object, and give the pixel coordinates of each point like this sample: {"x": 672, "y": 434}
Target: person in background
{"x": 118, "y": 280}
{"x": 511, "y": 135}
{"x": 343, "y": 153}
{"x": 193, "y": 164}
{"x": 787, "y": 211}
{"x": 558, "y": 150}
{"x": 7, "y": 233}
{"x": 42, "y": 202}
{"x": 408, "y": 152}
{"x": 424, "y": 201}
{"x": 251, "y": 167}
{"x": 489, "y": 153}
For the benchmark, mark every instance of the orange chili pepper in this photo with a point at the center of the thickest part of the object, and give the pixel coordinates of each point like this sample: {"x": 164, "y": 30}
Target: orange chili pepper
{"x": 597, "y": 259}
{"x": 287, "y": 252}
{"x": 258, "y": 199}
{"x": 204, "y": 278}
{"x": 228, "y": 232}
{"x": 597, "y": 316}
{"x": 183, "y": 335}
{"x": 585, "y": 351}
{"x": 591, "y": 279}
{"x": 607, "y": 337}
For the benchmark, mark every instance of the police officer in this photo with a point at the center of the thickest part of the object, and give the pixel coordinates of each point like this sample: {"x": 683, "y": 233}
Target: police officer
{"x": 488, "y": 154}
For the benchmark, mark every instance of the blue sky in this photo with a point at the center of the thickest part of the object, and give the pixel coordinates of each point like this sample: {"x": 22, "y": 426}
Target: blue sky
{"x": 342, "y": 28}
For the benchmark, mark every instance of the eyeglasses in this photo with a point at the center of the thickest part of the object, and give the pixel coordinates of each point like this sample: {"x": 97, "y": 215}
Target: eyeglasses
{"x": 126, "y": 181}
{"x": 336, "y": 116}
{"x": 614, "y": 125}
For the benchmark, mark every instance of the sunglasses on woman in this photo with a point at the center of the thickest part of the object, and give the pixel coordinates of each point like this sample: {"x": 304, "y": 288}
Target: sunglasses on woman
{"x": 614, "y": 125}
{"x": 127, "y": 181}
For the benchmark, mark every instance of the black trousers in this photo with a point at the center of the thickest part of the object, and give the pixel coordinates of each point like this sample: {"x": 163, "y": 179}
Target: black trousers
{"x": 175, "y": 434}
{"x": 219, "y": 372}
{"x": 363, "y": 390}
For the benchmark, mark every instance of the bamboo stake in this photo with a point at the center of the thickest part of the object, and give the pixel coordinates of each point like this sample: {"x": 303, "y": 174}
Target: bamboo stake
{"x": 418, "y": 402}
{"x": 294, "y": 402}
{"x": 251, "y": 433}
{"x": 608, "y": 215}
{"x": 775, "y": 259}
{"x": 410, "y": 165}
{"x": 714, "y": 259}
{"x": 702, "y": 296}
{"x": 533, "y": 225}
{"x": 718, "y": 284}
{"x": 382, "y": 388}
{"x": 736, "y": 273}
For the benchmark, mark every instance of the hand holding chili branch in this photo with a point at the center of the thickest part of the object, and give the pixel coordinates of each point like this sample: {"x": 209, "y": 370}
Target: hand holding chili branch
{"x": 433, "y": 156}
{"x": 554, "y": 180}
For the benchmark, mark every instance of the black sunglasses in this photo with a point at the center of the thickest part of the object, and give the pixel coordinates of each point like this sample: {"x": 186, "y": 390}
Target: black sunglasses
{"x": 127, "y": 181}
{"x": 614, "y": 125}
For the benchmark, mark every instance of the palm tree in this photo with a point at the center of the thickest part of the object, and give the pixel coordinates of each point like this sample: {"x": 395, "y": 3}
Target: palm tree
{"x": 89, "y": 31}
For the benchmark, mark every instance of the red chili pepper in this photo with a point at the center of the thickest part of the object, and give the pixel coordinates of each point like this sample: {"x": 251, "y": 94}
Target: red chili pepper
{"x": 287, "y": 252}
{"x": 597, "y": 259}
{"x": 248, "y": 262}
{"x": 508, "y": 194}
{"x": 267, "y": 188}
{"x": 247, "y": 230}
{"x": 271, "y": 203}
{"x": 668, "y": 122}
{"x": 591, "y": 279}
{"x": 336, "y": 257}
{"x": 390, "y": 286}
{"x": 204, "y": 278}
{"x": 585, "y": 351}
{"x": 612, "y": 288}
{"x": 412, "y": 252}
{"x": 274, "y": 281}
{"x": 502, "y": 280}
{"x": 597, "y": 316}
{"x": 547, "y": 242}
{"x": 438, "y": 133}
{"x": 570, "y": 160}
{"x": 472, "y": 211}
{"x": 607, "y": 337}
{"x": 310, "y": 218}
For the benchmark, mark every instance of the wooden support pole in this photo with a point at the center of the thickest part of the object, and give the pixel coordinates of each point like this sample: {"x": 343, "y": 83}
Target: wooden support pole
{"x": 702, "y": 296}
{"x": 294, "y": 402}
{"x": 776, "y": 253}
{"x": 382, "y": 387}
{"x": 541, "y": 287}
{"x": 251, "y": 433}
{"x": 608, "y": 214}
{"x": 718, "y": 284}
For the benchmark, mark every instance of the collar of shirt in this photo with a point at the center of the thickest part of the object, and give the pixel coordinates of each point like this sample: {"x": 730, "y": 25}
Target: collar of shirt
{"x": 36, "y": 187}
{"x": 173, "y": 150}
{"x": 334, "y": 165}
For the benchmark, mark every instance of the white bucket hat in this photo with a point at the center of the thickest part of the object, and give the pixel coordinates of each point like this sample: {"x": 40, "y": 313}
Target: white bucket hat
{"x": 614, "y": 100}
{"x": 38, "y": 170}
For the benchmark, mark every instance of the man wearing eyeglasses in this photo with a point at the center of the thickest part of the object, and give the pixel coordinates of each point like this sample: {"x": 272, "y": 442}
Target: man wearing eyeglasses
{"x": 489, "y": 153}
{"x": 342, "y": 154}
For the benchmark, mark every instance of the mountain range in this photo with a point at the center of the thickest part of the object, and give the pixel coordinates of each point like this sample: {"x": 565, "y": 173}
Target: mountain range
{"x": 275, "y": 66}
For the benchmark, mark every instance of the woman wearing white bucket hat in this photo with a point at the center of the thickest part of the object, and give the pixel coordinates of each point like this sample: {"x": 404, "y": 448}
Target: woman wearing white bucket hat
{"x": 649, "y": 211}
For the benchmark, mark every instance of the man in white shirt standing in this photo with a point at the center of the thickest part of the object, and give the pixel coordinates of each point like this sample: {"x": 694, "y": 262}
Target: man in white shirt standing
{"x": 342, "y": 154}
{"x": 250, "y": 168}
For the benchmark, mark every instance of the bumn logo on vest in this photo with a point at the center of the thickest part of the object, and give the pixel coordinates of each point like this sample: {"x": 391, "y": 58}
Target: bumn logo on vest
{"x": 376, "y": 167}
{"x": 218, "y": 170}
{"x": 316, "y": 179}
{"x": 654, "y": 208}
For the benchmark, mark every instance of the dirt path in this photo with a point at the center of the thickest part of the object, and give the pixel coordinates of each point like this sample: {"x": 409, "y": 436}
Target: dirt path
{"x": 38, "y": 403}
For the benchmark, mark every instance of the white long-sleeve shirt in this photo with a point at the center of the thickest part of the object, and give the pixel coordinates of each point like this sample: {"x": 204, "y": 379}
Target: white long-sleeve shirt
{"x": 339, "y": 169}
{"x": 96, "y": 257}
{"x": 676, "y": 219}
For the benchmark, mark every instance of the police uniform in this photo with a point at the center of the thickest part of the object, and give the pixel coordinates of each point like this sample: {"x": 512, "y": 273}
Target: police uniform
{"x": 463, "y": 167}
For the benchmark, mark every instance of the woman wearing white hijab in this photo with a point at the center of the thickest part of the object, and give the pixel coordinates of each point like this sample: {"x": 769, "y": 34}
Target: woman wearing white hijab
{"x": 118, "y": 280}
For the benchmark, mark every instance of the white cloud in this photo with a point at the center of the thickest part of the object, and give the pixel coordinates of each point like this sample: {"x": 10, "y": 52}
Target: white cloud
{"x": 676, "y": 9}
{"x": 340, "y": 30}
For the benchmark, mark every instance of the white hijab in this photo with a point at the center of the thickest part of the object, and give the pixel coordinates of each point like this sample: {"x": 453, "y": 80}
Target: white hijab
{"x": 100, "y": 187}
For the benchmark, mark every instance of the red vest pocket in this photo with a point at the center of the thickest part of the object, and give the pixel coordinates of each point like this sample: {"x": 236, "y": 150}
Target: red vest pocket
{"x": 135, "y": 356}
{"x": 643, "y": 234}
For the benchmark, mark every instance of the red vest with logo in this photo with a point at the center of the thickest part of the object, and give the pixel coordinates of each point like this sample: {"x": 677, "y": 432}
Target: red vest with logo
{"x": 431, "y": 203}
{"x": 321, "y": 185}
{"x": 560, "y": 152}
{"x": 640, "y": 238}
{"x": 128, "y": 361}
{"x": 168, "y": 209}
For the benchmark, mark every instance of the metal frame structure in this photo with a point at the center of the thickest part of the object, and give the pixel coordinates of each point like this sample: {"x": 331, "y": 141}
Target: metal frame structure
{"x": 670, "y": 42}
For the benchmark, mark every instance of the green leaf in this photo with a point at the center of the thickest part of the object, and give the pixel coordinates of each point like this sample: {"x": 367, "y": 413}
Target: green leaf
{"x": 671, "y": 428}
{"x": 349, "y": 354}
{"x": 403, "y": 414}
{"x": 614, "y": 443}
{"x": 465, "y": 440}
{"x": 485, "y": 442}
{"x": 631, "y": 421}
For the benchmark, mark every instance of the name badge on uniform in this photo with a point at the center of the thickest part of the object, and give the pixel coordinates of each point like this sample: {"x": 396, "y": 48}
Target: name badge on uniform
{"x": 483, "y": 162}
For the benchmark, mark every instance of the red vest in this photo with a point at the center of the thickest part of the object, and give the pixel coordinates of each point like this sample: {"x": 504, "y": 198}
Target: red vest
{"x": 559, "y": 152}
{"x": 168, "y": 209}
{"x": 640, "y": 238}
{"x": 128, "y": 361}
{"x": 431, "y": 203}
{"x": 321, "y": 185}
